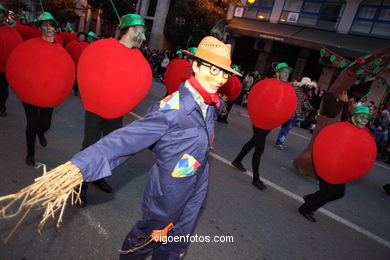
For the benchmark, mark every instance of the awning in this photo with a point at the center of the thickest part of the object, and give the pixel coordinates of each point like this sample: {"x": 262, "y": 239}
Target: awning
{"x": 343, "y": 44}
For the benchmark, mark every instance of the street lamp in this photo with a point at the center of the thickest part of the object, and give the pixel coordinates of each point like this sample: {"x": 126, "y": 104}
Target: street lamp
{"x": 251, "y": 2}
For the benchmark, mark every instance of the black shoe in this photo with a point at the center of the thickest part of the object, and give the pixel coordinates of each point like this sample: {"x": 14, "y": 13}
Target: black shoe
{"x": 225, "y": 121}
{"x": 42, "y": 140}
{"x": 307, "y": 215}
{"x": 2, "y": 111}
{"x": 305, "y": 197}
{"x": 239, "y": 166}
{"x": 30, "y": 161}
{"x": 103, "y": 185}
{"x": 259, "y": 184}
{"x": 387, "y": 189}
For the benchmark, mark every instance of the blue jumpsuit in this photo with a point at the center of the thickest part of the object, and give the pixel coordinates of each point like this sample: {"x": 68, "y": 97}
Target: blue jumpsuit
{"x": 178, "y": 181}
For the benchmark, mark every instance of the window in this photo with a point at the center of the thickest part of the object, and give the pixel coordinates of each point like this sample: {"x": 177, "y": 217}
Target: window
{"x": 260, "y": 9}
{"x": 373, "y": 17}
{"x": 319, "y": 13}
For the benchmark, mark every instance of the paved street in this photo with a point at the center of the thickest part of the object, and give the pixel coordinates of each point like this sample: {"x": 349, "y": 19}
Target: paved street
{"x": 264, "y": 225}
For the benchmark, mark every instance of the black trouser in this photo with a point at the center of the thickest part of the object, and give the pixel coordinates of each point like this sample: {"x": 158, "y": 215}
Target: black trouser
{"x": 38, "y": 122}
{"x": 3, "y": 91}
{"x": 327, "y": 192}
{"x": 95, "y": 127}
{"x": 257, "y": 141}
{"x": 226, "y": 110}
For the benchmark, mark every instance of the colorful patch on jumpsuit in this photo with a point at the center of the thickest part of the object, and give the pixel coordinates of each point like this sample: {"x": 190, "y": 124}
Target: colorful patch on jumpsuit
{"x": 170, "y": 102}
{"x": 187, "y": 166}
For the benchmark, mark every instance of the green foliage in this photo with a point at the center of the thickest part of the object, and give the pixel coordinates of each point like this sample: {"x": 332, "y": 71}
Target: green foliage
{"x": 62, "y": 10}
{"x": 123, "y": 7}
{"x": 17, "y": 6}
{"x": 200, "y": 16}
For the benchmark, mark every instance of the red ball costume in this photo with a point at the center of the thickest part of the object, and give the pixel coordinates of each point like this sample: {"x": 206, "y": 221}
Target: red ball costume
{"x": 113, "y": 79}
{"x": 9, "y": 39}
{"x": 178, "y": 71}
{"x": 271, "y": 103}
{"x": 232, "y": 88}
{"x": 343, "y": 152}
{"x": 41, "y": 73}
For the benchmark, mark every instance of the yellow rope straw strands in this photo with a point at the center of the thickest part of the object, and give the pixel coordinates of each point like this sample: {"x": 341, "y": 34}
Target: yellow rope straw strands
{"x": 50, "y": 191}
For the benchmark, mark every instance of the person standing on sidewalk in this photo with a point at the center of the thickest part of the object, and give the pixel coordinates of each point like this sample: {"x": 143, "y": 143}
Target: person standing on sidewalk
{"x": 282, "y": 72}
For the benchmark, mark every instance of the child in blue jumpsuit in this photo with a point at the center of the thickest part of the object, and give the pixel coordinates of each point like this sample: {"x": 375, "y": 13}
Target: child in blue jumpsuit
{"x": 181, "y": 126}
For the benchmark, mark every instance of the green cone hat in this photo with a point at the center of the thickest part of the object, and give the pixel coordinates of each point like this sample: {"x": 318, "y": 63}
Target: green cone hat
{"x": 46, "y": 16}
{"x": 91, "y": 34}
{"x": 2, "y": 8}
{"x": 235, "y": 67}
{"x": 361, "y": 110}
{"x": 280, "y": 66}
{"x": 192, "y": 50}
{"x": 130, "y": 20}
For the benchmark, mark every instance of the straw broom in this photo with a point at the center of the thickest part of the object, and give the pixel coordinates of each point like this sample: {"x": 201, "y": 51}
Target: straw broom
{"x": 50, "y": 191}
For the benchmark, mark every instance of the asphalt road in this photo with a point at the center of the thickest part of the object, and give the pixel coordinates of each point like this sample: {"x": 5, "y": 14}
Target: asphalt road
{"x": 264, "y": 225}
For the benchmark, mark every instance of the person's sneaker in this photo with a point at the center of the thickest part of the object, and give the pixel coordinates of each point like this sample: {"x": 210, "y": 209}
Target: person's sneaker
{"x": 42, "y": 140}
{"x": 30, "y": 161}
{"x": 279, "y": 146}
{"x": 239, "y": 166}
{"x": 103, "y": 185}
{"x": 259, "y": 184}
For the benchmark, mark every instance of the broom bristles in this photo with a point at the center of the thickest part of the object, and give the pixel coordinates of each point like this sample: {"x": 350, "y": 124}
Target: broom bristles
{"x": 50, "y": 191}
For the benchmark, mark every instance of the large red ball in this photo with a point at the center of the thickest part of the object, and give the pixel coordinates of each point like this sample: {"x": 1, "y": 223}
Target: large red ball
{"x": 232, "y": 88}
{"x": 9, "y": 39}
{"x": 67, "y": 37}
{"x": 27, "y": 32}
{"x": 112, "y": 78}
{"x": 178, "y": 71}
{"x": 75, "y": 49}
{"x": 343, "y": 153}
{"x": 41, "y": 73}
{"x": 271, "y": 103}
{"x": 59, "y": 39}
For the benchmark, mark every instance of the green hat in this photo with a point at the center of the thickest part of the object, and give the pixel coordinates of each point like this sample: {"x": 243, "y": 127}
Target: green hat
{"x": 235, "y": 67}
{"x": 193, "y": 50}
{"x": 91, "y": 34}
{"x": 2, "y": 7}
{"x": 130, "y": 20}
{"x": 46, "y": 16}
{"x": 35, "y": 20}
{"x": 280, "y": 66}
{"x": 69, "y": 29}
{"x": 179, "y": 52}
{"x": 361, "y": 110}
{"x": 22, "y": 17}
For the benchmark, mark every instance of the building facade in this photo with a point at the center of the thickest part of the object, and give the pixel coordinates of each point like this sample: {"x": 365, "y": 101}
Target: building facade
{"x": 294, "y": 31}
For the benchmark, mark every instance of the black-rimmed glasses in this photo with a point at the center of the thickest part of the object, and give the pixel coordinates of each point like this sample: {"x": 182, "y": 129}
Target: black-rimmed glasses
{"x": 215, "y": 70}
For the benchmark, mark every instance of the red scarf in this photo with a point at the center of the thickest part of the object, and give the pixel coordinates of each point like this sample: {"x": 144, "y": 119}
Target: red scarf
{"x": 209, "y": 98}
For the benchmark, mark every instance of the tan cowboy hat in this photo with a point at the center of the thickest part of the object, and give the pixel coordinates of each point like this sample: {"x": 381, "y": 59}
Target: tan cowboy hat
{"x": 215, "y": 52}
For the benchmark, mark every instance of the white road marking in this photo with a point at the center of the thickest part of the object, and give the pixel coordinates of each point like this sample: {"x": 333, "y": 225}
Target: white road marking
{"x": 95, "y": 224}
{"x": 322, "y": 210}
{"x": 298, "y": 198}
